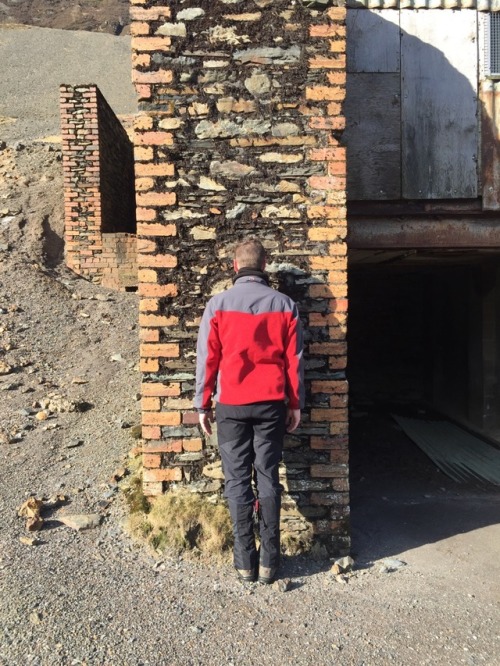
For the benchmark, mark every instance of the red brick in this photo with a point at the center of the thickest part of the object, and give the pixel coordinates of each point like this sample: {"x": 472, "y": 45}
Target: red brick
{"x": 158, "y": 229}
{"x": 150, "y": 404}
{"x": 192, "y": 444}
{"x": 141, "y": 60}
{"x": 151, "y": 14}
{"x": 339, "y": 457}
{"x": 337, "y": 363}
{"x": 337, "y": 46}
{"x": 167, "y": 446}
{"x": 327, "y": 154}
{"x": 155, "y": 389}
{"x": 339, "y": 401}
{"x": 327, "y": 63}
{"x": 169, "y": 474}
{"x": 149, "y": 169}
{"x": 166, "y": 350}
{"x": 149, "y": 365}
{"x": 143, "y": 154}
{"x": 328, "y": 348}
{"x": 324, "y": 183}
{"x": 148, "y": 305}
{"x": 336, "y": 213}
{"x": 143, "y": 91}
{"x": 329, "y": 386}
{"x": 336, "y": 79}
{"x": 329, "y": 443}
{"x": 325, "y": 93}
{"x": 190, "y": 418}
{"x": 323, "y": 263}
{"x": 328, "y": 123}
{"x": 154, "y": 139}
{"x": 144, "y": 184}
{"x": 161, "y": 418}
{"x": 337, "y": 169}
{"x": 158, "y": 290}
{"x": 328, "y": 471}
{"x": 149, "y": 335}
{"x": 328, "y": 415}
{"x": 336, "y": 13}
{"x": 139, "y": 28}
{"x": 157, "y": 320}
{"x": 159, "y": 260}
{"x": 147, "y": 275}
{"x": 152, "y": 489}
{"x": 177, "y": 403}
{"x": 145, "y": 215}
{"x": 151, "y": 43}
{"x": 327, "y": 233}
{"x": 143, "y": 122}
{"x": 151, "y": 460}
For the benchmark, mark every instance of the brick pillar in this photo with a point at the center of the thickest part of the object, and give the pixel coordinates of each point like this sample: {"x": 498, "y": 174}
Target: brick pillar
{"x": 98, "y": 189}
{"x": 239, "y": 134}
{"x": 82, "y": 199}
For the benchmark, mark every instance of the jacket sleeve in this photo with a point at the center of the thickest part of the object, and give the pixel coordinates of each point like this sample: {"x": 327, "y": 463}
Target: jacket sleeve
{"x": 294, "y": 362}
{"x": 207, "y": 358}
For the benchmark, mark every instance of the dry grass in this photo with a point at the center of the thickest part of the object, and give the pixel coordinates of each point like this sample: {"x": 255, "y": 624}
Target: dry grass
{"x": 296, "y": 543}
{"x": 178, "y": 522}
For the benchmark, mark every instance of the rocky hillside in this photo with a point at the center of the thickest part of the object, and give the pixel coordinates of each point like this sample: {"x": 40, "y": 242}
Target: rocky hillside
{"x": 111, "y": 16}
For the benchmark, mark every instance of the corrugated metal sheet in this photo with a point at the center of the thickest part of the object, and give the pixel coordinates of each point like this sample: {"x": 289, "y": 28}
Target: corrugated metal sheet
{"x": 460, "y": 455}
{"x": 481, "y": 5}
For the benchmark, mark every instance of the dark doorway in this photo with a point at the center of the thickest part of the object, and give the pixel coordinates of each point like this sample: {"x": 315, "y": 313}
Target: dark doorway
{"x": 424, "y": 340}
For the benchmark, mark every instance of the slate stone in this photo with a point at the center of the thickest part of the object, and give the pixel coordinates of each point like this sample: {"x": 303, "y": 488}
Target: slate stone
{"x": 266, "y": 56}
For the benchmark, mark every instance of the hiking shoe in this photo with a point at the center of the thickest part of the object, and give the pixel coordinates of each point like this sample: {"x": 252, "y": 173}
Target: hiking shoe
{"x": 266, "y": 575}
{"x": 246, "y": 575}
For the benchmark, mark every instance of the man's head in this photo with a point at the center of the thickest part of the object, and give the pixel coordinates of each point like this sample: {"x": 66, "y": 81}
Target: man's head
{"x": 250, "y": 254}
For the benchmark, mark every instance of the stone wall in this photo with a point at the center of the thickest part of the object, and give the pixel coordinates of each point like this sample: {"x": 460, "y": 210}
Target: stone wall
{"x": 239, "y": 133}
{"x": 98, "y": 189}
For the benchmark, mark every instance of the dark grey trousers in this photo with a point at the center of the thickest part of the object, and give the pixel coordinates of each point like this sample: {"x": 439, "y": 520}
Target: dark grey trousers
{"x": 251, "y": 440}
{"x": 251, "y": 444}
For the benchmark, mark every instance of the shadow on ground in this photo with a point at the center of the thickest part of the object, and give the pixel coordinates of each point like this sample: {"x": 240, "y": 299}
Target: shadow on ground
{"x": 400, "y": 500}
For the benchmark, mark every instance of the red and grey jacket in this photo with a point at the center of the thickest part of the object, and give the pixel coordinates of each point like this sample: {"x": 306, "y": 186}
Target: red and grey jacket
{"x": 249, "y": 347}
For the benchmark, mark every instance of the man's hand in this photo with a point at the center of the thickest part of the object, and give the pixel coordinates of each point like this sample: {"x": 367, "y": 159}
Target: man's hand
{"x": 206, "y": 420}
{"x": 292, "y": 420}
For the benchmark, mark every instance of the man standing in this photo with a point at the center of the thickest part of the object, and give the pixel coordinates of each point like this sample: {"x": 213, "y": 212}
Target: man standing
{"x": 250, "y": 356}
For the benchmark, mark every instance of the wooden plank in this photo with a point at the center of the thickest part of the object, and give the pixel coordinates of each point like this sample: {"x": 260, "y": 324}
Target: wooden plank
{"x": 373, "y": 41}
{"x": 439, "y": 104}
{"x": 373, "y": 136}
{"x": 490, "y": 144}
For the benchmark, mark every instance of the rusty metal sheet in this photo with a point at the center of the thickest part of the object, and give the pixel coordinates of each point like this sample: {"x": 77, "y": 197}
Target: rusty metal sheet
{"x": 490, "y": 144}
{"x": 413, "y": 233}
{"x": 439, "y": 71}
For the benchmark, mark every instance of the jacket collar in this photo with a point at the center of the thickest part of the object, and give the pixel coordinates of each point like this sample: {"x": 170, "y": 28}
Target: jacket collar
{"x": 251, "y": 275}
